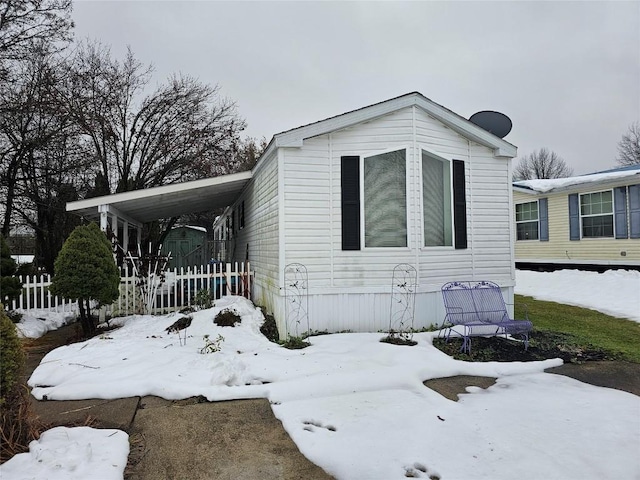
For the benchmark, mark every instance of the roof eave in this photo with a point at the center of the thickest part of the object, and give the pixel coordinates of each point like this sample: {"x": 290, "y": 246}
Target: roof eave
{"x": 296, "y": 137}
{"x": 526, "y": 190}
{"x": 576, "y": 187}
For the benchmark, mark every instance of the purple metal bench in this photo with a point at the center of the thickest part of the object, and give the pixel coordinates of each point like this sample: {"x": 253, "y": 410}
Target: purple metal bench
{"x": 478, "y": 309}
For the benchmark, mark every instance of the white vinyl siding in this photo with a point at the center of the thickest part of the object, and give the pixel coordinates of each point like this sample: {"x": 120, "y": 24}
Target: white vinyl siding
{"x": 259, "y": 237}
{"x": 313, "y": 208}
{"x": 489, "y": 202}
{"x": 342, "y": 281}
{"x": 307, "y": 209}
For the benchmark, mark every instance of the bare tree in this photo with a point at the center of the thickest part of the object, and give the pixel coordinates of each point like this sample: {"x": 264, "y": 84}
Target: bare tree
{"x": 541, "y": 163}
{"x": 183, "y": 130}
{"x": 41, "y": 166}
{"x": 248, "y": 153}
{"x": 629, "y": 146}
{"x": 25, "y": 24}
{"x": 246, "y": 156}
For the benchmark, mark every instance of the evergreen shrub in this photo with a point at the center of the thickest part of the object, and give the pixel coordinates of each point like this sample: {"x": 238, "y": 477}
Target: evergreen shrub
{"x": 85, "y": 270}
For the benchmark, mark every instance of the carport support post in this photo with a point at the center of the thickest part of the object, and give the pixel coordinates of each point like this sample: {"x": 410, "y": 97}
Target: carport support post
{"x": 104, "y": 225}
{"x": 125, "y": 236}
{"x": 104, "y": 218}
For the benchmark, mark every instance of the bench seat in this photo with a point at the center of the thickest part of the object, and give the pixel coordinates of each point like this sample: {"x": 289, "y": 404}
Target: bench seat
{"x": 478, "y": 309}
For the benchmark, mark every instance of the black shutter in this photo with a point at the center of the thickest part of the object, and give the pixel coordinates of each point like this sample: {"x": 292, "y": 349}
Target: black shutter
{"x": 459, "y": 205}
{"x": 350, "y": 200}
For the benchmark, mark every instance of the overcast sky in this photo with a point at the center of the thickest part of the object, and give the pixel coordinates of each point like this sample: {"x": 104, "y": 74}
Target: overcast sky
{"x": 566, "y": 73}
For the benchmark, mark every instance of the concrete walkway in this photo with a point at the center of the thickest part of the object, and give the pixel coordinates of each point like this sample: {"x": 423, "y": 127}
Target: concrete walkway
{"x": 238, "y": 439}
{"x": 190, "y": 438}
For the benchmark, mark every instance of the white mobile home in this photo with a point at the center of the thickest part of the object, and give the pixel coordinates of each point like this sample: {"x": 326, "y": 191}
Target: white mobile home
{"x": 352, "y": 196}
{"x": 588, "y": 221}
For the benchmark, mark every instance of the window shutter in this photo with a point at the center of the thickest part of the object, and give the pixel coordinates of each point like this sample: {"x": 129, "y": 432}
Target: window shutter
{"x": 634, "y": 211}
{"x": 459, "y": 205}
{"x": 574, "y": 217}
{"x": 543, "y": 213}
{"x": 350, "y": 202}
{"x": 620, "y": 203}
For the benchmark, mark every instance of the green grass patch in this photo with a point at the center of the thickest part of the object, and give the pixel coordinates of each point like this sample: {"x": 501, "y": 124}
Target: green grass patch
{"x": 587, "y": 327}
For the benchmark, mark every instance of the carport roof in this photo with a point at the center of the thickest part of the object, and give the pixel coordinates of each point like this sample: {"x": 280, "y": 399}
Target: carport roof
{"x": 168, "y": 200}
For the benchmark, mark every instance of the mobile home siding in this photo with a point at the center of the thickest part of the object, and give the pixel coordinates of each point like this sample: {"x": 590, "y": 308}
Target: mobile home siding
{"x": 350, "y": 289}
{"x": 490, "y": 207}
{"x": 307, "y": 209}
{"x": 560, "y": 249}
{"x": 261, "y": 232}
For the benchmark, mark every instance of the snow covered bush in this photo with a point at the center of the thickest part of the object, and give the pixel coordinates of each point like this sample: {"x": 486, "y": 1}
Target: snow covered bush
{"x": 203, "y": 299}
{"x": 227, "y": 318}
{"x": 85, "y": 270}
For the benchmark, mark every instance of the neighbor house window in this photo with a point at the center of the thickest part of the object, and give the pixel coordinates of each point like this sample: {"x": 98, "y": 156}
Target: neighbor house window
{"x": 527, "y": 221}
{"x": 385, "y": 200}
{"x": 596, "y": 214}
{"x": 436, "y": 201}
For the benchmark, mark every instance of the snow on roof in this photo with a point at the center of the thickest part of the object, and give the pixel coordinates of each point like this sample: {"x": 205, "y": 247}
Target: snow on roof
{"x": 543, "y": 186}
{"x": 192, "y": 227}
{"x": 20, "y": 259}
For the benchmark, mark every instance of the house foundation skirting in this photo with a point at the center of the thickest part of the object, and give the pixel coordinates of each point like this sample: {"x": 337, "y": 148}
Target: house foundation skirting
{"x": 355, "y": 311}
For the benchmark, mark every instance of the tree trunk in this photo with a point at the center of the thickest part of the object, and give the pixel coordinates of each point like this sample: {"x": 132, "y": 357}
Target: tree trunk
{"x": 88, "y": 328}
{"x": 91, "y": 325}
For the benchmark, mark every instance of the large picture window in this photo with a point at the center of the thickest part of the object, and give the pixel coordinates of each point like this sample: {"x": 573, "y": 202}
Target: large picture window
{"x": 436, "y": 201}
{"x": 596, "y": 214}
{"x": 385, "y": 200}
{"x": 527, "y": 221}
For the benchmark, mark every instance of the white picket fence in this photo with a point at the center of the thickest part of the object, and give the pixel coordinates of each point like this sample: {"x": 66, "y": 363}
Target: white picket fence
{"x": 176, "y": 292}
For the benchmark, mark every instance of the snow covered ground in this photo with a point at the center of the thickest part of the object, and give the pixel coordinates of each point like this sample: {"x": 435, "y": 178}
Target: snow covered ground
{"x": 614, "y": 292}
{"x": 35, "y": 323}
{"x": 71, "y": 453}
{"x": 357, "y": 407}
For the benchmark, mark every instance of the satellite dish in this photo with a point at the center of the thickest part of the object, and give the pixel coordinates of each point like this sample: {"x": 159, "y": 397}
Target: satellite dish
{"x": 493, "y": 122}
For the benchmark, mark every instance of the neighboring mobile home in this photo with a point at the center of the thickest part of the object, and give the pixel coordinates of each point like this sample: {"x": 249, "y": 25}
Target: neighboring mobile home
{"x": 589, "y": 221}
{"x": 352, "y": 196}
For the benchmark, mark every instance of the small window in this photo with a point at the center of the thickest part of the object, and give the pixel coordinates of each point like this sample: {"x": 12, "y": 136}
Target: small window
{"x": 527, "y": 221}
{"x": 385, "y": 200}
{"x": 241, "y": 220}
{"x": 596, "y": 214}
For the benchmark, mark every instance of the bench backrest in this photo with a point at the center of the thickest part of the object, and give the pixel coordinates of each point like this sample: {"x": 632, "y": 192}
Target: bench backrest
{"x": 474, "y": 302}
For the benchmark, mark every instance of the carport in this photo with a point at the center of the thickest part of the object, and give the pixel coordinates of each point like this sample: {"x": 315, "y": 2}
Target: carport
{"x": 127, "y": 211}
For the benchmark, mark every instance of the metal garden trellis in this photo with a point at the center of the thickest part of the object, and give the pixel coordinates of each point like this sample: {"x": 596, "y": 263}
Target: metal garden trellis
{"x": 403, "y": 298}
{"x": 296, "y": 283}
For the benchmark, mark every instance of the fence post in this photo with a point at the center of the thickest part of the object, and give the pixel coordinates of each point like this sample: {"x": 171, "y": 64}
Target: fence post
{"x": 248, "y": 283}
{"x": 227, "y": 279}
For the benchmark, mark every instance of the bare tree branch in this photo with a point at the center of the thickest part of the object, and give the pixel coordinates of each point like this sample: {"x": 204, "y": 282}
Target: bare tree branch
{"x": 25, "y": 24}
{"x": 629, "y": 146}
{"x": 542, "y": 163}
